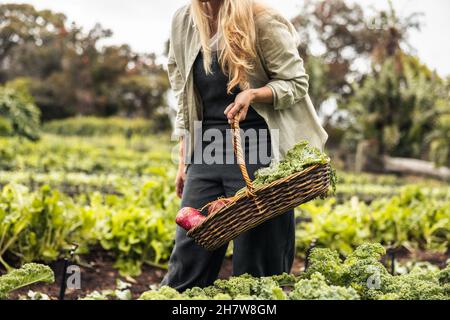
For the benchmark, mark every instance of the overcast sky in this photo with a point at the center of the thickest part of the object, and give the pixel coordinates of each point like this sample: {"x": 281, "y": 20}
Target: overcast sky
{"x": 145, "y": 24}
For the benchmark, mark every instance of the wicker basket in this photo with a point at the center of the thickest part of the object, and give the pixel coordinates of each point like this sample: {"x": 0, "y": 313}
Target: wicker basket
{"x": 256, "y": 205}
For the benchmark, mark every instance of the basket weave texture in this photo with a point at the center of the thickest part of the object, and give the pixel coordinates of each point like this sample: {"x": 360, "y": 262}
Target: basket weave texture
{"x": 256, "y": 205}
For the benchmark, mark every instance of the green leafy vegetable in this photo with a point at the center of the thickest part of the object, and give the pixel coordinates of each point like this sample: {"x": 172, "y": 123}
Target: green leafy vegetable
{"x": 28, "y": 274}
{"x": 410, "y": 219}
{"x": 326, "y": 262}
{"x": 363, "y": 272}
{"x": 316, "y": 288}
{"x": 301, "y": 156}
{"x": 360, "y": 276}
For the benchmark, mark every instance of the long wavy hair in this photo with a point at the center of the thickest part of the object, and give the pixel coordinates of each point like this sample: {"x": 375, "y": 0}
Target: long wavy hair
{"x": 236, "y": 25}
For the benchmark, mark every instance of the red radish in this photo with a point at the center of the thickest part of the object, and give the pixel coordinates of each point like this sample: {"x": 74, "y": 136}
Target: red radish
{"x": 217, "y": 205}
{"x": 188, "y": 218}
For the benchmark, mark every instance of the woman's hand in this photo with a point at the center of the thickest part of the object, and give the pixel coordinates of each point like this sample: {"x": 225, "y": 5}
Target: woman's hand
{"x": 181, "y": 175}
{"x": 240, "y": 105}
{"x": 179, "y": 181}
{"x": 244, "y": 99}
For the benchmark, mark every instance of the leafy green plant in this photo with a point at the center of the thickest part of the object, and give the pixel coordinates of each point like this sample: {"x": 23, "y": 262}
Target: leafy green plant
{"x": 416, "y": 101}
{"x": 362, "y": 271}
{"x": 18, "y": 108}
{"x": 135, "y": 227}
{"x": 35, "y": 226}
{"x": 15, "y": 216}
{"x": 111, "y": 154}
{"x": 92, "y": 126}
{"x": 244, "y": 287}
{"x": 28, "y": 274}
{"x": 316, "y": 288}
{"x": 360, "y": 276}
{"x": 410, "y": 219}
{"x": 53, "y": 220}
{"x": 142, "y": 233}
{"x": 301, "y": 156}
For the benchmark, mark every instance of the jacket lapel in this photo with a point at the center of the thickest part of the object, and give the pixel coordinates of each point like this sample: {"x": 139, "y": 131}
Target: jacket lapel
{"x": 193, "y": 51}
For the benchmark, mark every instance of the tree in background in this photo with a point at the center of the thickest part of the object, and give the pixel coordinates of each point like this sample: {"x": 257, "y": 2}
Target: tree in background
{"x": 347, "y": 37}
{"x": 397, "y": 106}
{"x": 18, "y": 113}
{"x": 394, "y": 100}
{"x": 400, "y": 102}
{"x": 439, "y": 137}
{"x": 397, "y": 102}
{"x": 70, "y": 73}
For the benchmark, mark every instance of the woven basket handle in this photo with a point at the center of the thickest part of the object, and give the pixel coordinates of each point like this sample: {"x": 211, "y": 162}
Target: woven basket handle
{"x": 237, "y": 148}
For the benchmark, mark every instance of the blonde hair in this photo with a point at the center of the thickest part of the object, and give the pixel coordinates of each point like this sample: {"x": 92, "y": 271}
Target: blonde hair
{"x": 236, "y": 24}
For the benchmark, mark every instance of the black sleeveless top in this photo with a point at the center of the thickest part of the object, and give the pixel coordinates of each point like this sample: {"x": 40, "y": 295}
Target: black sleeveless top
{"x": 212, "y": 89}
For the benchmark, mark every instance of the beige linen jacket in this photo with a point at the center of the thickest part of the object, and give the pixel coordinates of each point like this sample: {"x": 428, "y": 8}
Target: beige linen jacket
{"x": 278, "y": 65}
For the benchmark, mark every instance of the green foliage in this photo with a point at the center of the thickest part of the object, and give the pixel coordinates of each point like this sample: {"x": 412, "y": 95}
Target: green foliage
{"x": 17, "y": 107}
{"x": 103, "y": 155}
{"x": 316, "y": 288}
{"x": 143, "y": 232}
{"x": 28, "y": 274}
{"x": 164, "y": 293}
{"x": 6, "y": 128}
{"x": 244, "y": 287}
{"x": 444, "y": 275}
{"x": 236, "y": 285}
{"x": 135, "y": 228}
{"x": 363, "y": 272}
{"x": 118, "y": 193}
{"x": 368, "y": 187}
{"x": 417, "y": 285}
{"x": 133, "y": 218}
{"x": 93, "y": 126}
{"x": 326, "y": 262}
{"x": 348, "y": 32}
{"x": 355, "y": 271}
{"x": 51, "y": 222}
{"x": 299, "y": 157}
{"x": 72, "y": 73}
{"x": 439, "y": 136}
{"x": 359, "y": 276}
{"x": 36, "y": 226}
{"x": 409, "y": 219}
{"x": 399, "y": 106}
{"x": 110, "y": 184}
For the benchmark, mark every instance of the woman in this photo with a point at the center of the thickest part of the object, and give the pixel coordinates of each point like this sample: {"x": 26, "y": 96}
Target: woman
{"x": 235, "y": 58}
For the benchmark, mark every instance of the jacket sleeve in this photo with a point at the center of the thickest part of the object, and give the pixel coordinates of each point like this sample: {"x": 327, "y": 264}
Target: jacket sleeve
{"x": 278, "y": 42}
{"x": 176, "y": 83}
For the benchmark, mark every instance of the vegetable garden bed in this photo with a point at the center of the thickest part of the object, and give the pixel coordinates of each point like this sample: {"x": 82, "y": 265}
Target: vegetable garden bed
{"x": 115, "y": 197}
{"x": 98, "y": 274}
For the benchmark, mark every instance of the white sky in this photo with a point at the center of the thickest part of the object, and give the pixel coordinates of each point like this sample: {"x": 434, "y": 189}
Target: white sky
{"x": 145, "y": 24}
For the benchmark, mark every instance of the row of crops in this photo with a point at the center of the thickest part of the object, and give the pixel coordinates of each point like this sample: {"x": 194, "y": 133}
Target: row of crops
{"x": 115, "y": 192}
{"x": 328, "y": 277}
{"x": 359, "y": 276}
{"x": 137, "y": 226}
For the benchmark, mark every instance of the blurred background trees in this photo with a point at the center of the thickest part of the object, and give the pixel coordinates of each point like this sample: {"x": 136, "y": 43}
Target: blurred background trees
{"x": 69, "y": 73}
{"x": 18, "y": 113}
{"x": 380, "y": 93}
{"x": 365, "y": 80}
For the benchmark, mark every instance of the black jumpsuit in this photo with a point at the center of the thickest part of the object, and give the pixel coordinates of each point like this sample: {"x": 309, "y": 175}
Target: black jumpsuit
{"x": 263, "y": 251}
